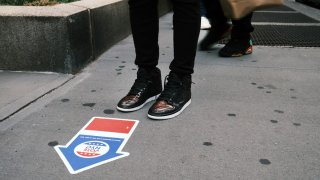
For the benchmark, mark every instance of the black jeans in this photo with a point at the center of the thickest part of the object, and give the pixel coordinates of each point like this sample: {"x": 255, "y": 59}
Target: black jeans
{"x": 217, "y": 19}
{"x": 145, "y": 29}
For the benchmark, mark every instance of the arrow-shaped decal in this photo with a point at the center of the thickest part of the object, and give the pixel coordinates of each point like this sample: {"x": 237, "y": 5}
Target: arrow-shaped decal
{"x": 99, "y": 142}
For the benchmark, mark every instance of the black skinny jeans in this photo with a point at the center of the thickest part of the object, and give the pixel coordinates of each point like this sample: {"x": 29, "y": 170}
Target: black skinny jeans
{"x": 145, "y": 29}
{"x": 241, "y": 27}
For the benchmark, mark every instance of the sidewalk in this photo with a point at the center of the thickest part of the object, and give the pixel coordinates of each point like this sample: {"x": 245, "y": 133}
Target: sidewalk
{"x": 254, "y": 117}
{"x": 19, "y": 89}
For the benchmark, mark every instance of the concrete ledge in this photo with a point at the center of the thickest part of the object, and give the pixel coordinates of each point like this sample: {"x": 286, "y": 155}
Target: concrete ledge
{"x": 62, "y": 38}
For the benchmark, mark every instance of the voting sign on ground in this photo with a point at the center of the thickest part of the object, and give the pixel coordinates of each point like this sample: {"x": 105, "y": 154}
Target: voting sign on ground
{"x": 100, "y": 141}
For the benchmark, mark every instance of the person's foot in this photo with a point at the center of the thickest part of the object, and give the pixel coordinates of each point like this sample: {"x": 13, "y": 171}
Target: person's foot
{"x": 237, "y": 47}
{"x": 205, "y": 24}
{"x": 146, "y": 88}
{"x": 175, "y": 97}
{"x": 213, "y": 36}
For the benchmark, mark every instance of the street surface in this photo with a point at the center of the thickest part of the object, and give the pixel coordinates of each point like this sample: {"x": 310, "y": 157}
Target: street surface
{"x": 251, "y": 118}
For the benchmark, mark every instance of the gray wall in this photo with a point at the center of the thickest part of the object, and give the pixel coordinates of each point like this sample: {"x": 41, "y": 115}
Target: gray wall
{"x": 62, "y": 38}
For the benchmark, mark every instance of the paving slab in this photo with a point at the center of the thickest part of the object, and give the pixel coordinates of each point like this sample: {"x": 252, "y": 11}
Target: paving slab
{"x": 19, "y": 89}
{"x": 254, "y": 117}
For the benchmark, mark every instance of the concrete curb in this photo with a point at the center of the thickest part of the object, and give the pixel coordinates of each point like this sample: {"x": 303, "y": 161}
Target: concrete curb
{"x": 62, "y": 38}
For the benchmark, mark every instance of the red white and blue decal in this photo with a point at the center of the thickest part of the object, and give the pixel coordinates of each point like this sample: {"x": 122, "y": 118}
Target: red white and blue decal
{"x": 100, "y": 141}
{"x": 91, "y": 149}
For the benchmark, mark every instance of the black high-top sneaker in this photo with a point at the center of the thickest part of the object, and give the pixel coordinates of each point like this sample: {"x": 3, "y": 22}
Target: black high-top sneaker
{"x": 237, "y": 46}
{"x": 147, "y": 87}
{"x": 214, "y": 35}
{"x": 175, "y": 97}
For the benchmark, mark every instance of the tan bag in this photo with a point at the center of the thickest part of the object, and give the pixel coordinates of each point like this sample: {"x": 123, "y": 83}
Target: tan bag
{"x": 236, "y": 9}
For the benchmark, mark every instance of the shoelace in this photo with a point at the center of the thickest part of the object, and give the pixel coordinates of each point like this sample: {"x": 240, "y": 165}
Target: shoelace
{"x": 171, "y": 87}
{"x": 139, "y": 85}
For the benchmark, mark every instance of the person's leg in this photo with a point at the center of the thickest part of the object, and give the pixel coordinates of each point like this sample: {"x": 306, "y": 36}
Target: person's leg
{"x": 205, "y": 24}
{"x": 176, "y": 95}
{"x": 240, "y": 43}
{"x": 215, "y": 13}
{"x": 203, "y": 11}
{"x": 242, "y": 27}
{"x": 219, "y": 24}
{"x": 145, "y": 28}
{"x": 186, "y": 21}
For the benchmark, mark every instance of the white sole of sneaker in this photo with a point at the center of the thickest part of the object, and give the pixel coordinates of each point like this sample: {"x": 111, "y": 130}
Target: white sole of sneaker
{"x": 139, "y": 107}
{"x": 171, "y": 115}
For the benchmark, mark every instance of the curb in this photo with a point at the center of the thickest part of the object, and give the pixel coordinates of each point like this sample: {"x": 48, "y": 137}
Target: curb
{"x": 62, "y": 38}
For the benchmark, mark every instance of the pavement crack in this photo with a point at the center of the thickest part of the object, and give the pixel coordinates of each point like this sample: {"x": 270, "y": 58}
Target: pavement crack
{"x": 35, "y": 100}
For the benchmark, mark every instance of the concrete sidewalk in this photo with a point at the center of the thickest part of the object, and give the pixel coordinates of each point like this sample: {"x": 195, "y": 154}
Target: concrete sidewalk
{"x": 19, "y": 89}
{"x": 254, "y": 117}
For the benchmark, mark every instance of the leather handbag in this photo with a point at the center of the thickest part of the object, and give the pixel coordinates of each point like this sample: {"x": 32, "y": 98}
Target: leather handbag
{"x": 236, "y": 9}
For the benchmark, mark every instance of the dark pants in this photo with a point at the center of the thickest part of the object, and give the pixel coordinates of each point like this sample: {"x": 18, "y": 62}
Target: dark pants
{"x": 217, "y": 19}
{"x": 202, "y": 9}
{"x": 145, "y": 29}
